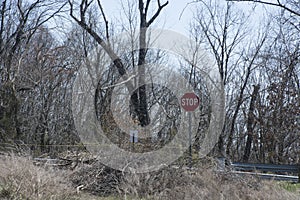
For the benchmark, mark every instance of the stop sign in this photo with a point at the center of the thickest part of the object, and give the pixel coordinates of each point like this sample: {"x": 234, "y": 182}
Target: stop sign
{"x": 190, "y": 101}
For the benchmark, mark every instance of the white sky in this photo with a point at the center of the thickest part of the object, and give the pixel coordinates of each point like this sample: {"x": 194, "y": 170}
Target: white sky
{"x": 173, "y": 17}
{"x": 169, "y": 17}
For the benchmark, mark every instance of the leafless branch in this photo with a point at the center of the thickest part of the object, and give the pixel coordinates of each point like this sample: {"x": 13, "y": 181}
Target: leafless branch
{"x": 120, "y": 83}
{"x": 104, "y": 18}
{"x": 278, "y": 4}
{"x": 81, "y": 22}
{"x": 3, "y": 8}
{"x": 147, "y": 6}
{"x": 160, "y": 7}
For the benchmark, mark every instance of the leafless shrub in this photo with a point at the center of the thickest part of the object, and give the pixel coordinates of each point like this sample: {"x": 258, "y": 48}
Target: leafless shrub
{"x": 21, "y": 179}
{"x": 207, "y": 184}
{"x": 96, "y": 179}
{"x": 200, "y": 184}
{"x": 150, "y": 184}
{"x": 174, "y": 183}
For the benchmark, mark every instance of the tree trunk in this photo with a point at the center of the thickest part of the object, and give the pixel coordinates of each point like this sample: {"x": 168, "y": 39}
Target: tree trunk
{"x": 250, "y": 124}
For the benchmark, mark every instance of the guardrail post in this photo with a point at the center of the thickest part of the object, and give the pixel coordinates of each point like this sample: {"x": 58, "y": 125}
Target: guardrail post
{"x": 299, "y": 173}
{"x": 221, "y": 163}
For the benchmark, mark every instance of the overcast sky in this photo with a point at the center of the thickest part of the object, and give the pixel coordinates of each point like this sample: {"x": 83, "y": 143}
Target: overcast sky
{"x": 175, "y": 16}
{"x": 170, "y": 14}
{"x": 178, "y": 13}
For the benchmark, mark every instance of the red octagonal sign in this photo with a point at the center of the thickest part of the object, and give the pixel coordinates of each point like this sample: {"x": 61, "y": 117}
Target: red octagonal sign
{"x": 190, "y": 101}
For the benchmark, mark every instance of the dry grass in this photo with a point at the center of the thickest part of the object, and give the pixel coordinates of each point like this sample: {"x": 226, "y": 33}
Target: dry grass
{"x": 211, "y": 186}
{"x": 21, "y": 179}
{"x": 202, "y": 184}
{"x": 180, "y": 184}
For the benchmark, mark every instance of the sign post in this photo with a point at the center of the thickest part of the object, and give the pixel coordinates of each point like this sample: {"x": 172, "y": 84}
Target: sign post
{"x": 133, "y": 138}
{"x": 190, "y": 102}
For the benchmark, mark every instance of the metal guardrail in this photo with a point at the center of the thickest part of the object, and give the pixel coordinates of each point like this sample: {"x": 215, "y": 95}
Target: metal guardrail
{"x": 293, "y": 171}
{"x": 266, "y": 167}
{"x": 269, "y": 176}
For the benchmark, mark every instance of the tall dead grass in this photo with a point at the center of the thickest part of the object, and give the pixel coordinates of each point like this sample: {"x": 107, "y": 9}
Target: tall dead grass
{"x": 177, "y": 183}
{"x": 210, "y": 185}
{"x": 21, "y": 179}
{"x": 173, "y": 184}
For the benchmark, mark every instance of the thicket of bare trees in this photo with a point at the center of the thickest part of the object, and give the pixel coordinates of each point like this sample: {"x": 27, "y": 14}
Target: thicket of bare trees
{"x": 260, "y": 78}
{"x": 36, "y": 78}
{"x": 259, "y": 68}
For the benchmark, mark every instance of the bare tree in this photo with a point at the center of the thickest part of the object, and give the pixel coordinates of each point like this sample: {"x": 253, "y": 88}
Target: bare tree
{"x": 225, "y": 31}
{"x": 19, "y": 22}
{"x": 250, "y": 123}
{"x": 279, "y": 102}
{"x": 139, "y": 98}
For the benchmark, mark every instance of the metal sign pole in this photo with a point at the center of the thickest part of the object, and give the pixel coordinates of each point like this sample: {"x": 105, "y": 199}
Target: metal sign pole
{"x": 190, "y": 139}
{"x": 190, "y": 102}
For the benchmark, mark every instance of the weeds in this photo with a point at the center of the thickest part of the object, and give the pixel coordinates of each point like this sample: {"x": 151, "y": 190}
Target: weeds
{"x": 291, "y": 187}
{"x": 21, "y": 179}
